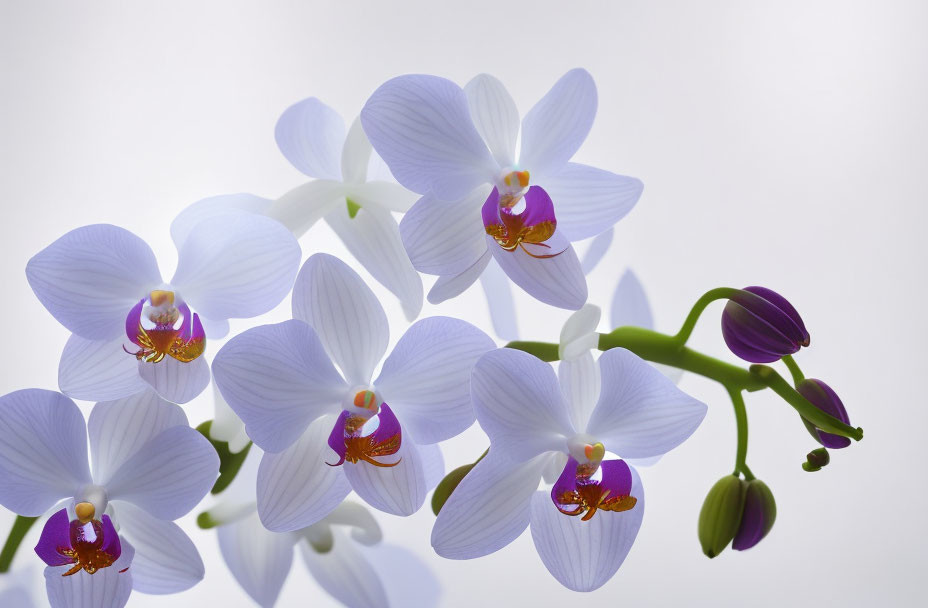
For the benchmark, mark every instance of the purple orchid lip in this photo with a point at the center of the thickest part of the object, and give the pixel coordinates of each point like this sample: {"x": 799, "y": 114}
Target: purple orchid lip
{"x": 184, "y": 342}
{"x": 575, "y": 493}
{"x": 824, "y": 398}
{"x": 348, "y": 442}
{"x": 529, "y": 229}
{"x": 88, "y": 546}
{"x": 761, "y": 326}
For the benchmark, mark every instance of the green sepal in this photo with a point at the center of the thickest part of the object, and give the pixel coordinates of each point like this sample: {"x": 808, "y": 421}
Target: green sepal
{"x": 721, "y": 514}
{"x": 353, "y": 208}
{"x": 205, "y": 521}
{"x": 229, "y": 462}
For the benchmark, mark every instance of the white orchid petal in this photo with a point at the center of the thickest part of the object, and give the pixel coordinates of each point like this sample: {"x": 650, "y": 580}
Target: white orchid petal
{"x": 226, "y": 426}
{"x": 356, "y": 154}
{"x": 310, "y": 135}
{"x": 630, "y": 303}
{"x": 215, "y": 329}
{"x": 373, "y": 237}
{"x": 398, "y": 490}
{"x": 556, "y": 126}
{"x": 406, "y": 577}
{"x": 599, "y": 246}
{"x": 421, "y": 126}
{"x": 300, "y": 208}
{"x": 168, "y": 475}
{"x": 296, "y": 488}
{"x": 519, "y": 404}
{"x": 237, "y": 265}
{"x": 363, "y": 524}
{"x": 426, "y": 379}
{"x": 450, "y": 286}
{"x": 344, "y": 312}
{"x": 640, "y": 412}
{"x": 584, "y": 555}
{"x": 166, "y": 560}
{"x": 98, "y": 370}
{"x": 558, "y": 281}
{"x": 578, "y": 336}
{"x": 445, "y": 237}
{"x": 580, "y": 385}
{"x": 106, "y": 588}
{"x": 495, "y": 115}
{"x": 502, "y": 306}
{"x": 389, "y": 196}
{"x": 90, "y": 278}
{"x": 43, "y": 450}
{"x": 212, "y": 206}
{"x": 588, "y": 200}
{"x": 118, "y": 429}
{"x": 489, "y": 509}
{"x": 345, "y": 573}
{"x": 433, "y": 463}
{"x": 278, "y": 379}
{"x": 176, "y": 381}
{"x": 259, "y": 559}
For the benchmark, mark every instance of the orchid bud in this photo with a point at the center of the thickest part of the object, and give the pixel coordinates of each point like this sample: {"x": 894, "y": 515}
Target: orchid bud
{"x": 816, "y": 459}
{"x": 760, "y": 511}
{"x": 821, "y": 396}
{"x": 720, "y": 516}
{"x": 760, "y": 326}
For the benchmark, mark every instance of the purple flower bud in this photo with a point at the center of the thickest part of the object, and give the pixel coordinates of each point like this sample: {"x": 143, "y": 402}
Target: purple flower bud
{"x": 821, "y": 396}
{"x": 760, "y": 326}
{"x": 760, "y": 511}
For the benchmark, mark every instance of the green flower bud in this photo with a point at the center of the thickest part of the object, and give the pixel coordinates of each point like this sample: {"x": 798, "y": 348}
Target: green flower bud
{"x": 720, "y": 516}
{"x": 816, "y": 459}
{"x": 760, "y": 511}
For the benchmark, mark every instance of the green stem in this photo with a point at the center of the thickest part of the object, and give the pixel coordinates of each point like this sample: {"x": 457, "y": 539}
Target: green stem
{"x": 719, "y": 293}
{"x": 794, "y": 370}
{"x": 741, "y": 420}
{"x": 21, "y": 526}
{"x": 817, "y": 417}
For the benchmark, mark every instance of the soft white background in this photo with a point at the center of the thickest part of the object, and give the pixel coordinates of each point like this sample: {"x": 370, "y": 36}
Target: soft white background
{"x": 781, "y": 143}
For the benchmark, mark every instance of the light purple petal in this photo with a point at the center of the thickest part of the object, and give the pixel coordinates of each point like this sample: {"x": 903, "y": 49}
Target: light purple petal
{"x": 166, "y": 560}
{"x": 259, "y": 559}
{"x": 580, "y": 384}
{"x": 278, "y": 379}
{"x": 98, "y": 370}
{"x": 641, "y": 413}
{"x": 345, "y": 573}
{"x": 519, "y": 404}
{"x": 176, "y": 381}
{"x": 373, "y": 238}
{"x": 450, "y": 286}
{"x": 584, "y": 555}
{"x": 296, "y": 488}
{"x": 344, "y": 312}
{"x": 599, "y": 246}
{"x": 407, "y": 578}
{"x": 106, "y": 588}
{"x": 502, "y": 306}
{"x": 556, "y": 126}
{"x": 90, "y": 278}
{"x": 489, "y": 509}
{"x": 445, "y": 237}
{"x": 43, "y": 450}
{"x": 426, "y": 378}
{"x": 630, "y": 303}
{"x": 421, "y": 126}
{"x": 118, "y": 429}
{"x": 237, "y": 265}
{"x": 310, "y": 135}
{"x": 558, "y": 281}
{"x": 398, "y": 490}
{"x": 589, "y": 200}
{"x": 212, "y": 206}
{"x": 495, "y": 116}
{"x": 168, "y": 475}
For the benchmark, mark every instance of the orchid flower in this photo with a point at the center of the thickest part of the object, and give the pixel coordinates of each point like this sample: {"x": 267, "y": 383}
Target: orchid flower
{"x": 589, "y": 416}
{"x": 457, "y": 148}
{"x": 343, "y": 552}
{"x": 327, "y": 432}
{"x": 149, "y": 468}
{"x": 130, "y": 329}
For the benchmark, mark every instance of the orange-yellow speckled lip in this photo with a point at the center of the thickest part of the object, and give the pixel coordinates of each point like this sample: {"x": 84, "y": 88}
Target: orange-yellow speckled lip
{"x": 351, "y": 445}
{"x": 162, "y": 329}
{"x": 532, "y": 226}
{"x": 578, "y": 493}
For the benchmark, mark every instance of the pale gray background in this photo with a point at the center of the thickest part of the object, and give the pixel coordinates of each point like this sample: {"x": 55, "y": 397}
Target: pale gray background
{"x": 781, "y": 143}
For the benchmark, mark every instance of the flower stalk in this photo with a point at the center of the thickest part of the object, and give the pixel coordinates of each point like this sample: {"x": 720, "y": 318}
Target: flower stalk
{"x": 21, "y": 527}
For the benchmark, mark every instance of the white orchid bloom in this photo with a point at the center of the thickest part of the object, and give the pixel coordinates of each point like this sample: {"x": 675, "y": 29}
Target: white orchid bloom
{"x": 344, "y": 552}
{"x": 591, "y": 414}
{"x": 149, "y": 468}
{"x": 325, "y": 431}
{"x": 131, "y": 330}
{"x": 457, "y": 148}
